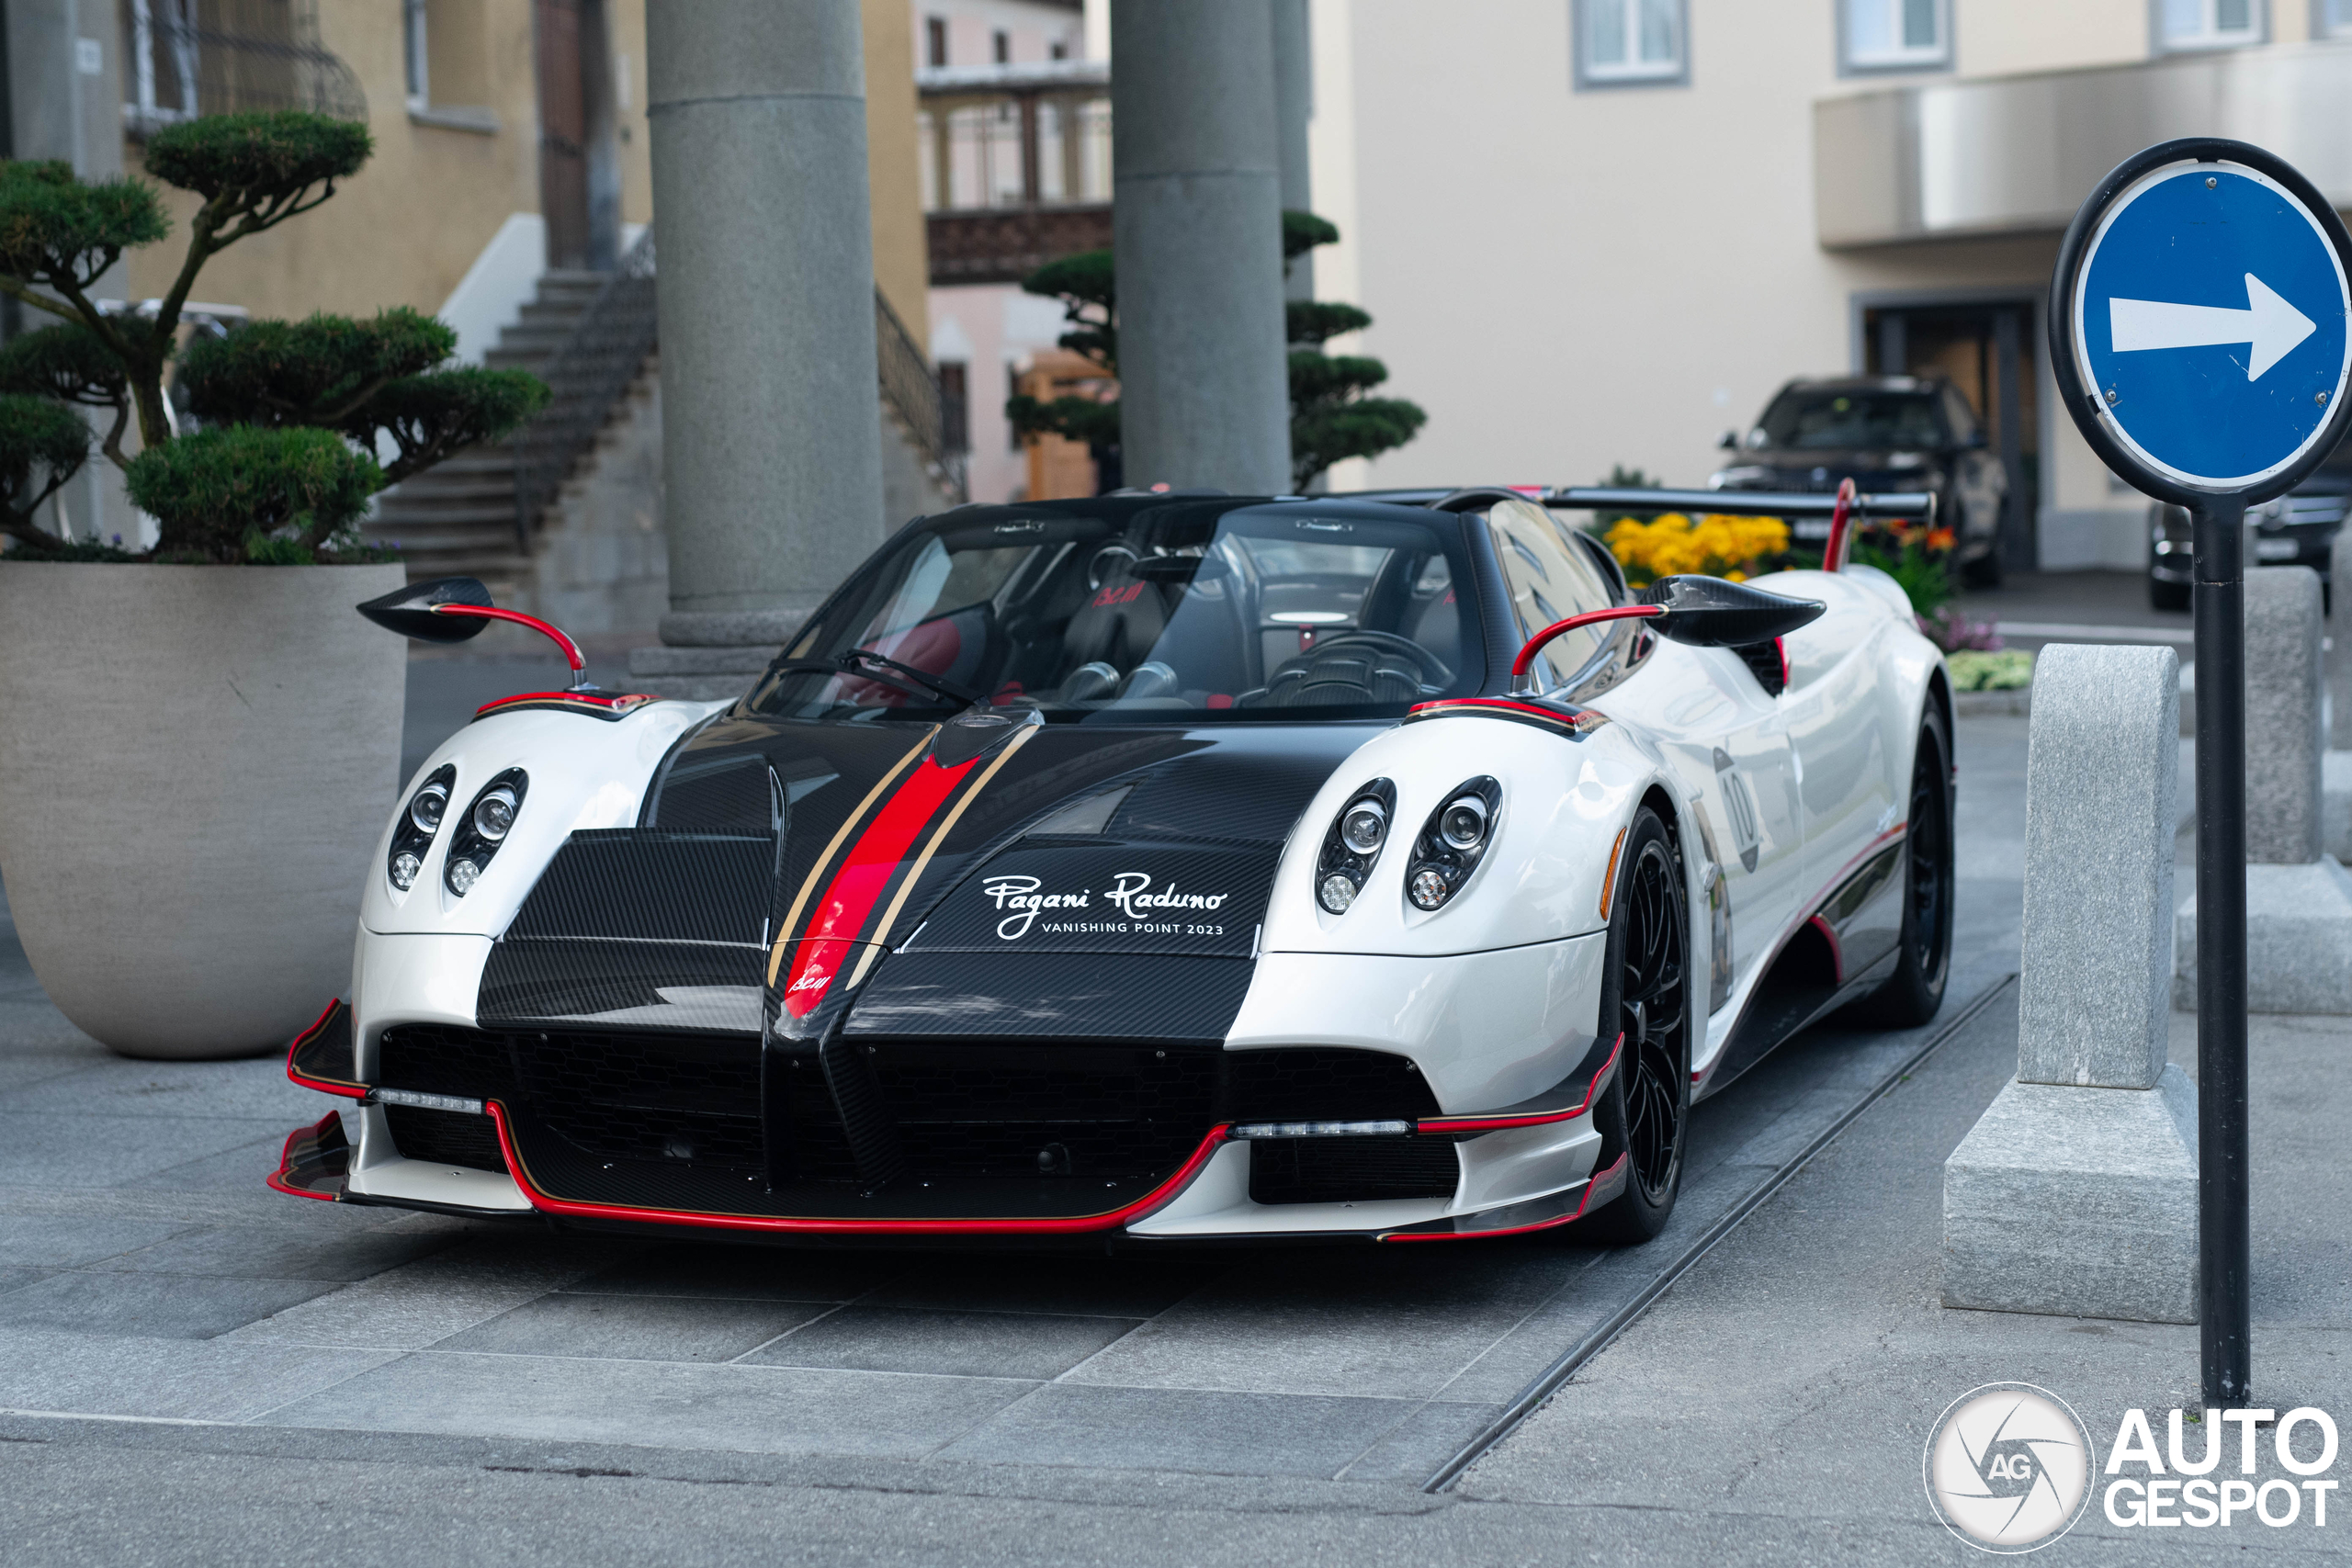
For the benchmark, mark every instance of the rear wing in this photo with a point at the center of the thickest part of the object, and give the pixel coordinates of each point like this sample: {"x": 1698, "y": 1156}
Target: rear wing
{"x": 1834, "y": 515}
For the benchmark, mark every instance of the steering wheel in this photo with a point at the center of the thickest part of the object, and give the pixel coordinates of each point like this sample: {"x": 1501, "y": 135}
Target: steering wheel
{"x": 1432, "y": 668}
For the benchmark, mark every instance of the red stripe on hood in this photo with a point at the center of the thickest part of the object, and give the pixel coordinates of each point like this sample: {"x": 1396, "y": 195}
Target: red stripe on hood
{"x": 848, "y": 900}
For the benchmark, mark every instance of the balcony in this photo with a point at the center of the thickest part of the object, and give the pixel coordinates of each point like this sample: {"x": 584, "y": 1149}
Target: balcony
{"x": 1016, "y": 166}
{"x": 2018, "y": 154}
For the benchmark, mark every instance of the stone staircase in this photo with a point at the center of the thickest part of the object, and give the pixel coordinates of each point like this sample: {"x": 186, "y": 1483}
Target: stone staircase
{"x": 457, "y": 518}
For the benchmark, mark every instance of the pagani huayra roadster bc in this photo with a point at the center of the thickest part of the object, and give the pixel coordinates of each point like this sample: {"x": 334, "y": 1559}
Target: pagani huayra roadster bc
{"x": 1150, "y": 868}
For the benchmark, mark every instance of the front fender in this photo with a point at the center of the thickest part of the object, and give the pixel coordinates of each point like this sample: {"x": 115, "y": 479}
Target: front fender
{"x": 585, "y": 772}
{"x": 1564, "y": 802}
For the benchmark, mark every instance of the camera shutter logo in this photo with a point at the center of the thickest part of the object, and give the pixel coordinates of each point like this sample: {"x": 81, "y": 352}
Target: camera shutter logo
{"x": 2008, "y": 1467}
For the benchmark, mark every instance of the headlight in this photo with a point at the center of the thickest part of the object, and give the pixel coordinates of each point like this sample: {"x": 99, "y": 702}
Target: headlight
{"x": 1451, "y": 843}
{"x": 425, "y": 813}
{"x": 487, "y": 822}
{"x": 414, "y": 829}
{"x": 494, "y": 814}
{"x": 1351, "y": 844}
{"x": 1463, "y": 823}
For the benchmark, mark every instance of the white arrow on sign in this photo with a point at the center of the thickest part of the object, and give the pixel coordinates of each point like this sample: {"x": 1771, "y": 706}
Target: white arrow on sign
{"x": 2269, "y": 325}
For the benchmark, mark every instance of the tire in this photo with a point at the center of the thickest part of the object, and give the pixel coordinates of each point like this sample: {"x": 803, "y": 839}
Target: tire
{"x": 1644, "y": 991}
{"x": 2163, "y": 595}
{"x": 1984, "y": 571}
{"x": 1913, "y": 993}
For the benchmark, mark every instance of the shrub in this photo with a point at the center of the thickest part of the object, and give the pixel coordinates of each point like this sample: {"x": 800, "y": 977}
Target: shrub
{"x": 216, "y": 492}
{"x": 1979, "y": 672}
{"x": 272, "y": 480}
{"x": 43, "y": 444}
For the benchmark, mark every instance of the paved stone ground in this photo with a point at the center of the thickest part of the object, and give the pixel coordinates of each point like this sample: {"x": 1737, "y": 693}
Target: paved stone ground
{"x": 193, "y": 1366}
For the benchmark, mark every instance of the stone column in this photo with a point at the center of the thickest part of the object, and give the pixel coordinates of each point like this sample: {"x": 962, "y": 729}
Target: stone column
{"x": 1293, "y": 107}
{"x": 2075, "y": 1193}
{"x": 1204, "y": 371}
{"x": 2299, "y": 898}
{"x": 771, "y": 410}
{"x": 2335, "y": 762}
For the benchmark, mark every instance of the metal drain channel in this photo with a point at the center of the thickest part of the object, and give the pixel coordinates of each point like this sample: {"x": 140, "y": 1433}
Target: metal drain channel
{"x": 1548, "y": 1381}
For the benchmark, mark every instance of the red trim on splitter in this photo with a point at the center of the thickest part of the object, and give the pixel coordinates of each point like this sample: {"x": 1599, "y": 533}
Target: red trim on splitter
{"x": 1493, "y": 1123}
{"x": 863, "y": 875}
{"x": 546, "y": 1202}
{"x": 1595, "y": 1182}
{"x": 347, "y": 1090}
{"x": 286, "y": 1158}
{"x": 493, "y": 613}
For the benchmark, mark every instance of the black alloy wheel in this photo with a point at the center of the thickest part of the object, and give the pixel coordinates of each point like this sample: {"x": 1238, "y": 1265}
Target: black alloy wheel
{"x": 1645, "y": 1114}
{"x": 1913, "y": 993}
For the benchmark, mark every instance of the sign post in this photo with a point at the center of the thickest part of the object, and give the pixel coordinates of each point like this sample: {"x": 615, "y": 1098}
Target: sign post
{"x": 2200, "y": 331}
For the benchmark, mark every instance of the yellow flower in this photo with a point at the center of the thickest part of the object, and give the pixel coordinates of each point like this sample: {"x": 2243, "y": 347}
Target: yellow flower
{"x": 1713, "y": 545}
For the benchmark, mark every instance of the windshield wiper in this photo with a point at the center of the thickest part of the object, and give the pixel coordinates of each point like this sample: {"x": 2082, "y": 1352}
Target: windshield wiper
{"x": 874, "y": 666}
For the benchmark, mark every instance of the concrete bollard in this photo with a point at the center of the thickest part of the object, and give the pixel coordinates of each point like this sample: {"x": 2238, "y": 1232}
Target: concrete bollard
{"x": 2075, "y": 1193}
{"x": 2299, "y": 898}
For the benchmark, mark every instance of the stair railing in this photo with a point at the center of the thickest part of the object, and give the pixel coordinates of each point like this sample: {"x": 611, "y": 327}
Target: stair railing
{"x": 607, "y": 348}
{"x": 911, "y": 389}
{"x": 586, "y": 376}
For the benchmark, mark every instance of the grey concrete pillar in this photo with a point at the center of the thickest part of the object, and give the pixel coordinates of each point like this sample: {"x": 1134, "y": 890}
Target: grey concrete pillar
{"x": 2075, "y": 1193}
{"x": 2285, "y": 688}
{"x": 2297, "y": 895}
{"x": 1203, "y": 374}
{"x": 771, "y": 410}
{"x": 1293, "y": 108}
{"x": 2102, "y": 766}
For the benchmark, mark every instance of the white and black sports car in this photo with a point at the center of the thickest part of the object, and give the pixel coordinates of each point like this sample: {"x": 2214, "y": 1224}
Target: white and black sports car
{"x": 1154, "y": 868}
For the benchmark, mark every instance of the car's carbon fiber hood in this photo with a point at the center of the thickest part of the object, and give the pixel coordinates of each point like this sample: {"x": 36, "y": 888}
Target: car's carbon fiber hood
{"x": 778, "y": 862}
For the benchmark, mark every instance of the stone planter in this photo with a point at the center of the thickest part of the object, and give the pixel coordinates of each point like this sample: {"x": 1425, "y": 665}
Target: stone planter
{"x": 195, "y": 764}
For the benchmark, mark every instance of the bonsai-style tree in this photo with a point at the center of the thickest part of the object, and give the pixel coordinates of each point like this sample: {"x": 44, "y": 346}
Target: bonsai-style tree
{"x": 1330, "y": 417}
{"x": 291, "y": 413}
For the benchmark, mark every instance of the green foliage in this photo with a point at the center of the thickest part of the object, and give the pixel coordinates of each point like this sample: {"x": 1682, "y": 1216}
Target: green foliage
{"x": 43, "y": 444}
{"x": 322, "y": 371}
{"x": 215, "y": 491}
{"x": 1319, "y": 322}
{"x": 2004, "y": 671}
{"x": 1622, "y": 478}
{"x": 259, "y": 160}
{"x": 70, "y": 551}
{"x": 1924, "y": 575}
{"x": 1359, "y": 427}
{"x": 1090, "y": 297}
{"x": 272, "y": 479}
{"x": 1302, "y": 232}
{"x": 1331, "y": 418}
{"x": 432, "y": 417}
{"x": 66, "y": 362}
{"x": 60, "y": 231}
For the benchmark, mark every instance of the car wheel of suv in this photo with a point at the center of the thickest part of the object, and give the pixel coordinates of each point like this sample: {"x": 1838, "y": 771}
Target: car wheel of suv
{"x": 1984, "y": 571}
{"x": 2163, "y": 595}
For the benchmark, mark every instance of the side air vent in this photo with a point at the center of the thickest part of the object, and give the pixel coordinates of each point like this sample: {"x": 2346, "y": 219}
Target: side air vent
{"x": 1769, "y": 663}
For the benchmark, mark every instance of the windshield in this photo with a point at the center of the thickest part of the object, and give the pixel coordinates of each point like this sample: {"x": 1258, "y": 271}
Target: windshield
{"x": 1117, "y": 609}
{"x": 1808, "y": 421}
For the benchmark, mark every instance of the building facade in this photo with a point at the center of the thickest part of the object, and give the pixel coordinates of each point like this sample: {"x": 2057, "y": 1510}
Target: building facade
{"x": 1602, "y": 232}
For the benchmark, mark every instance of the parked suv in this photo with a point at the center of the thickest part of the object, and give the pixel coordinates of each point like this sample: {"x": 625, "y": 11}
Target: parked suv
{"x": 2297, "y": 529}
{"x": 1888, "y": 433}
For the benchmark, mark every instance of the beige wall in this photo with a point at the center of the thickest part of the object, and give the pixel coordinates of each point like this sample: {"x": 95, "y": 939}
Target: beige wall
{"x": 1571, "y": 279}
{"x": 404, "y": 230}
{"x": 894, "y": 175}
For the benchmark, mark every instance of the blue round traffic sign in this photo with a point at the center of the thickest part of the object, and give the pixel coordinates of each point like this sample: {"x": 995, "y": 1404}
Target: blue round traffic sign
{"x": 2212, "y": 325}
